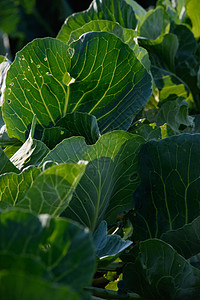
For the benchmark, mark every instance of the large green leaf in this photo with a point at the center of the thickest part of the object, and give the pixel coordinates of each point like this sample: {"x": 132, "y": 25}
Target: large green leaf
{"x": 52, "y": 190}
{"x": 127, "y": 35}
{"x": 65, "y": 248}
{"x": 24, "y": 263}
{"x": 27, "y": 287}
{"x": 168, "y": 195}
{"x": 110, "y": 83}
{"x": 117, "y": 11}
{"x": 14, "y": 186}
{"x": 110, "y": 178}
{"x": 34, "y": 86}
{"x": 161, "y": 273}
{"x": 186, "y": 240}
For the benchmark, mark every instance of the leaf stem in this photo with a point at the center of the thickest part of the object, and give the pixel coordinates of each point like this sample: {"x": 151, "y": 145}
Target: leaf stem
{"x": 108, "y": 294}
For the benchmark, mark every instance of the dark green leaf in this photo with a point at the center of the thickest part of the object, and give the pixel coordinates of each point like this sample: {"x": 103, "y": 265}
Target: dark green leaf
{"x": 195, "y": 261}
{"x": 65, "y": 248}
{"x": 186, "y": 240}
{"x": 54, "y": 135}
{"x": 164, "y": 46}
{"x": 186, "y": 62}
{"x": 161, "y": 273}
{"x": 27, "y": 287}
{"x": 4, "y": 138}
{"x": 110, "y": 177}
{"x": 5, "y": 164}
{"x": 168, "y": 196}
{"x": 81, "y": 124}
{"x": 148, "y": 131}
{"x": 23, "y": 263}
{"x": 154, "y": 24}
{"x": 9, "y": 15}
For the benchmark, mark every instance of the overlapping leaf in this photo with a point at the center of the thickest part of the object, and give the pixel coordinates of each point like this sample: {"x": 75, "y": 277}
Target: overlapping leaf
{"x": 52, "y": 190}
{"x": 161, "y": 273}
{"x": 127, "y": 35}
{"x": 110, "y": 83}
{"x": 117, "y": 11}
{"x": 110, "y": 177}
{"x": 73, "y": 124}
{"x": 169, "y": 85}
{"x": 63, "y": 247}
{"x": 168, "y": 196}
{"x": 154, "y": 24}
{"x": 14, "y": 186}
{"x": 5, "y": 140}
{"x": 34, "y": 86}
{"x": 165, "y": 47}
{"x": 5, "y": 164}
{"x": 186, "y": 240}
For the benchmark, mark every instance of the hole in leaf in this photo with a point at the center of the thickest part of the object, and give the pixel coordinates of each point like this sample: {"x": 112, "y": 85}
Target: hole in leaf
{"x": 133, "y": 177}
{"x": 9, "y": 101}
